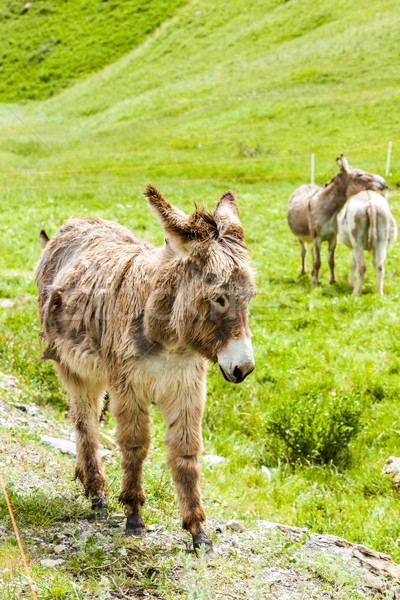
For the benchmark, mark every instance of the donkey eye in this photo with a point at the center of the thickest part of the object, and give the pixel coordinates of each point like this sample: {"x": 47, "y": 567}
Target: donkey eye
{"x": 361, "y": 175}
{"x": 220, "y": 303}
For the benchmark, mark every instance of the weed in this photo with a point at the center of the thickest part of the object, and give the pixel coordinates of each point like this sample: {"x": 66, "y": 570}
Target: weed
{"x": 316, "y": 428}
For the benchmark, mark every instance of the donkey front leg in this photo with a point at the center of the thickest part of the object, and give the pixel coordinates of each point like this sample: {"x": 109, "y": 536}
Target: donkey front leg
{"x": 316, "y": 254}
{"x": 85, "y": 405}
{"x": 303, "y": 252}
{"x": 332, "y": 248}
{"x": 133, "y": 438}
{"x": 183, "y": 441}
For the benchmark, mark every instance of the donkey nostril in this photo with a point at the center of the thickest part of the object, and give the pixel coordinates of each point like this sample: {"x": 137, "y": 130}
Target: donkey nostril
{"x": 237, "y": 373}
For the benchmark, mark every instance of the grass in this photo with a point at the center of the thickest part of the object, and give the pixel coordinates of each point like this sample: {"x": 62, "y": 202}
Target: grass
{"x": 235, "y": 98}
{"x": 68, "y": 40}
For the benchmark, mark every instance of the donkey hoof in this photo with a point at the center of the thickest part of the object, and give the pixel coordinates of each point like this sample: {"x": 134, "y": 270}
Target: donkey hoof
{"x": 100, "y": 508}
{"x": 134, "y": 531}
{"x": 135, "y": 526}
{"x": 199, "y": 540}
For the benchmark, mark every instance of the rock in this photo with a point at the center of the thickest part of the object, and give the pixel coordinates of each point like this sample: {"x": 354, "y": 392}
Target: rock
{"x": 265, "y": 471}
{"x": 66, "y": 446}
{"x": 376, "y": 568}
{"x": 51, "y": 563}
{"x": 60, "y": 548}
{"x": 25, "y": 8}
{"x": 212, "y": 459}
{"x": 118, "y": 516}
{"x": 9, "y": 383}
{"x": 266, "y": 524}
{"x": 7, "y": 303}
{"x": 236, "y": 526}
{"x": 392, "y": 468}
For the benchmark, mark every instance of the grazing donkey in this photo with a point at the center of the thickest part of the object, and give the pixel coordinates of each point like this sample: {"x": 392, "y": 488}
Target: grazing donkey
{"x": 140, "y": 321}
{"x": 367, "y": 223}
{"x": 312, "y": 212}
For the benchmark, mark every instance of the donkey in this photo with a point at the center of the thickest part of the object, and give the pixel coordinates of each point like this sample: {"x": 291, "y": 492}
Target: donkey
{"x": 312, "y": 212}
{"x": 367, "y": 223}
{"x": 140, "y": 321}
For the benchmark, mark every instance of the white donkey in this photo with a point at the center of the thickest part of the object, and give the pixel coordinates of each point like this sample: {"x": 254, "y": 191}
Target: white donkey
{"x": 367, "y": 223}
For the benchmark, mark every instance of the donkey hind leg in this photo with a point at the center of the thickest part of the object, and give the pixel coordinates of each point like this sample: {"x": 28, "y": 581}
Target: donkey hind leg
{"x": 361, "y": 268}
{"x": 353, "y": 264}
{"x": 316, "y": 253}
{"x": 331, "y": 260}
{"x": 183, "y": 442}
{"x": 379, "y": 258}
{"x": 303, "y": 252}
{"x": 133, "y": 438}
{"x": 85, "y": 405}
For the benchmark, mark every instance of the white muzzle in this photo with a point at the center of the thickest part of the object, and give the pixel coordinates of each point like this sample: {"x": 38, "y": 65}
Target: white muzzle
{"x": 236, "y": 360}
{"x": 379, "y": 182}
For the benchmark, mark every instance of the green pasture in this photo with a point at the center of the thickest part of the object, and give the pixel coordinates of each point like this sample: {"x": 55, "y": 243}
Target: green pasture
{"x": 235, "y": 97}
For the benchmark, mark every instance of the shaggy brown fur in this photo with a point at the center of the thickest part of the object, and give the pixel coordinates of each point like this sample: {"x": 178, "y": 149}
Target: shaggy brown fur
{"x": 140, "y": 321}
{"x": 312, "y": 212}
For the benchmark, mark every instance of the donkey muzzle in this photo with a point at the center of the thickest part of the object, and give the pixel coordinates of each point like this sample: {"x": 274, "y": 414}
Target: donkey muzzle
{"x": 379, "y": 182}
{"x": 236, "y": 360}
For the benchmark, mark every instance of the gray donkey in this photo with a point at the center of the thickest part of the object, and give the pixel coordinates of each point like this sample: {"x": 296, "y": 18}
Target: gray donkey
{"x": 140, "y": 321}
{"x": 312, "y": 212}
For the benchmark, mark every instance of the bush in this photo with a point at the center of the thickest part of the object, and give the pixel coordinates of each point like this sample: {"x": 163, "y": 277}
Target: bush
{"x": 318, "y": 427}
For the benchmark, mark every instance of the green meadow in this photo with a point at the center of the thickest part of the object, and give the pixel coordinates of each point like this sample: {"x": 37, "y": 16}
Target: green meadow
{"x": 201, "y": 97}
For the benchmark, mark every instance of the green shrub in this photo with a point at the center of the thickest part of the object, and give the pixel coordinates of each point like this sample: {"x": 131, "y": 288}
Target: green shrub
{"x": 317, "y": 427}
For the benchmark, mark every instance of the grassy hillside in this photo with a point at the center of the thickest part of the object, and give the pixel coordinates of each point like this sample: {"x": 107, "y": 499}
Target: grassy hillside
{"x": 236, "y": 97}
{"x": 47, "y": 45}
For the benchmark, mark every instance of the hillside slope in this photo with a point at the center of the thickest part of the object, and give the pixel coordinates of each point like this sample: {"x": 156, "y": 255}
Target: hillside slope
{"x": 47, "y": 45}
{"x": 284, "y": 76}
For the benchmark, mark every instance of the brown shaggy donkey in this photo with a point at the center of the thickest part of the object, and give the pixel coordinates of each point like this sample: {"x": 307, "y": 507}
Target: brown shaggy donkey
{"x": 140, "y": 321}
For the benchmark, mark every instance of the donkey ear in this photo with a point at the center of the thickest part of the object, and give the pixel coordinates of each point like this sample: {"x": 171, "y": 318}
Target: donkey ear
{"x": 177, "y": 227}
{"x": 343, "y": 164}
{"x": 226, "y": 211}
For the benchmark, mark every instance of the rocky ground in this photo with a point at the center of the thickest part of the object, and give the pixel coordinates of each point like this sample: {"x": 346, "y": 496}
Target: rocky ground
{"x": 72, "y": 556}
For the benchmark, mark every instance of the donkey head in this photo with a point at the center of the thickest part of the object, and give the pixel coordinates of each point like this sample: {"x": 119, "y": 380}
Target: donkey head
{"x": 357, "y": 180}
{"x": 210, "y": 284}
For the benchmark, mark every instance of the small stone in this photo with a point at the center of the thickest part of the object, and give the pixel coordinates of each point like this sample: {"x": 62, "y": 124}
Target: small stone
{"x": 391, "y": 466}
{"x": 123, "y": 552}
{"x": 265, "y": 471}
{"x": 267, "y": 524}
{"x": 212, "y": 459}
{"x": 6, "y": 303}
{"x": 21, "y": 407}
{"x": 64, "y": 446}
{"x": 152, "y": 527}
{"x": 59, "y": 548}
{"x": 118, "y": 516}
{"x": 50, "y": 563}
{"x": 236, "y": 526}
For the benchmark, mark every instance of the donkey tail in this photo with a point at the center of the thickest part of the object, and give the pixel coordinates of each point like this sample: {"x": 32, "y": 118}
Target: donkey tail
{"x": 43, "y": 239}
{"x": 371, "y": 211}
